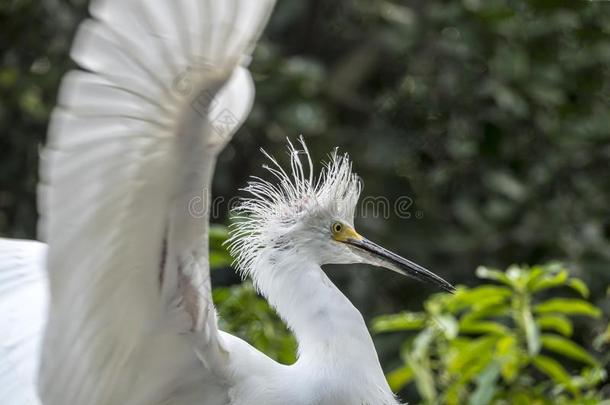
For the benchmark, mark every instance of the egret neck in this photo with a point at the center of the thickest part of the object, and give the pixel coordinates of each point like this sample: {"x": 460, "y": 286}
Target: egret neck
{"x": 333, "y": 339}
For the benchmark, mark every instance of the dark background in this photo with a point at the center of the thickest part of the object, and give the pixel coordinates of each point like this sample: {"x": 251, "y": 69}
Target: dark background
{"x": 489, "y": 117}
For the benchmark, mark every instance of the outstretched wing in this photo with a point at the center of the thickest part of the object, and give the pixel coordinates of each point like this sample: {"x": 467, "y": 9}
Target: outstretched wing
{"x": 131, "y": 146}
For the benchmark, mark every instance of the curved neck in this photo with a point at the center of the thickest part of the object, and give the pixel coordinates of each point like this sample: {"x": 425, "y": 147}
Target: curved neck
{"x": 328, "y": 328}
{"x": 336, "y": 356}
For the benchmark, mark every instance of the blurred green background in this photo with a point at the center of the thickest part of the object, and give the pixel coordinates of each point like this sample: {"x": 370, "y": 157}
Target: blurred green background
{"x": 487, "y": 120}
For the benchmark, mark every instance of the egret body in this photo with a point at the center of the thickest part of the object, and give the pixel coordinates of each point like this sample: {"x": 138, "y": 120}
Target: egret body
{"x": 122, "y": 288}
{"x": 285, "y": 232}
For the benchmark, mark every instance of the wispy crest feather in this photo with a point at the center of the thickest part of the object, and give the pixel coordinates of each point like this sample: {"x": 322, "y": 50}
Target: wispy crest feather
{"x": 273, "y": 208}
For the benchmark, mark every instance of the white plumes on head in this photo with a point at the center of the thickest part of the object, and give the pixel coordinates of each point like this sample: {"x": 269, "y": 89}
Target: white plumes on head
{"x": 264, "y": 219}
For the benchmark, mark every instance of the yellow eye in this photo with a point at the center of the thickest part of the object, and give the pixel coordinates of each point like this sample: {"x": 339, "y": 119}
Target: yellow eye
{"x": 337, "y": 227}
{"x": 343, "y": 233}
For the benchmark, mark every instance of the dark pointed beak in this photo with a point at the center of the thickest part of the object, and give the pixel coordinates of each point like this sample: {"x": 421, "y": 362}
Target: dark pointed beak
{"x": 374, "y": 254}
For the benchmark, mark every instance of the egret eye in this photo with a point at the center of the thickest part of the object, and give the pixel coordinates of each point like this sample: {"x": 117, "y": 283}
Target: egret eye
{"x": 337, "y": 227}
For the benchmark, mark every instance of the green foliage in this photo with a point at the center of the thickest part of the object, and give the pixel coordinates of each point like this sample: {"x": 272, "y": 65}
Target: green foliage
{"x": 500, "y": 343}
{"x": 242, "y": 312}
{"x": 491, "y": 114}
{"x": 219, "y": 255}
{"x": 34, "y": 44}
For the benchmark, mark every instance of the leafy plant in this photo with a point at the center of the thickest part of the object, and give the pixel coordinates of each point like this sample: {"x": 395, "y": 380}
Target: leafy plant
{"x": 245, "y": 314}
{"x": 500, "y": 343}
{"x": 219, "y": 255}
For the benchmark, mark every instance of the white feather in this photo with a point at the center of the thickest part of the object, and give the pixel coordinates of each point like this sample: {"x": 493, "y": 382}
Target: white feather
{"x": 132, "y": 143}
{"x": 269, "y": 215}
{"x": 133, "y": 139}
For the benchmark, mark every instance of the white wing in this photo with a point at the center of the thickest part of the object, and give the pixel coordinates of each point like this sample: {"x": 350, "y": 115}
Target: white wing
{"x": 131, "y": 147}
{"x": 23, "y": 302}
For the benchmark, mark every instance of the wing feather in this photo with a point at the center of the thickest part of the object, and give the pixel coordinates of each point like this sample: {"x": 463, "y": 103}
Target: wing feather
{"x": 133, "y": 140}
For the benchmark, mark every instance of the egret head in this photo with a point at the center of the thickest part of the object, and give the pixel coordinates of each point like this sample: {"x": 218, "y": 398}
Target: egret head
{"x": 310, "y": 217}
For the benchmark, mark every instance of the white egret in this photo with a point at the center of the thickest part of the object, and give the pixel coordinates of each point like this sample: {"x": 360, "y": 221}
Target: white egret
{"x": 129, "y": 319}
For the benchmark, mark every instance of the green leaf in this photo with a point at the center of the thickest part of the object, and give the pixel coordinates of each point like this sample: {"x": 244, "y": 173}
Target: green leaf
{"x": 506, "y": 344}
{"x": 474, "y": 295}
{"x": 490, "y": 311}
{"x": 400, "y": 377}
{"x": 399, "y": 322}
{"x": 567, "y": 348}
{"x": 471, "y": 353}
{"x": 495, "y": 275}
{"x": 535, "y": 274}
{"x": 558, "y": 323}
{"x": 546, "y": 281}
{"x": 568, "y": 306}
{"x": 483, "y": 327}
{"x": 553, "y": 369}
{"x": 480, "y": 298}
{"x": 579, "y": 286}
{"x": 511, "y": 364}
